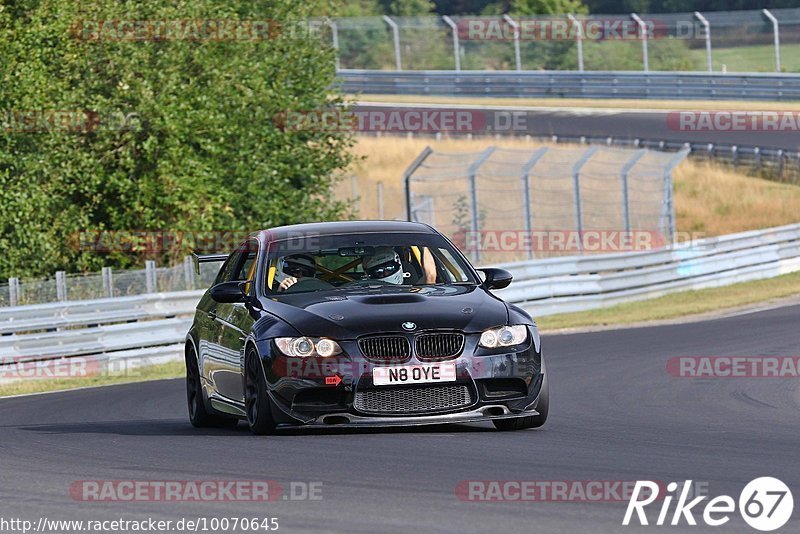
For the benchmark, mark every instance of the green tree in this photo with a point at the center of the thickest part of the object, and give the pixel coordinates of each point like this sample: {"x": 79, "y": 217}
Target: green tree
{"x": 205, "y": 153}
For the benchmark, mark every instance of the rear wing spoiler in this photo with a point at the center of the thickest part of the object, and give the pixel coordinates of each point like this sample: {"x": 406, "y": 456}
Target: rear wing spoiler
{"x": 206, "y": 258}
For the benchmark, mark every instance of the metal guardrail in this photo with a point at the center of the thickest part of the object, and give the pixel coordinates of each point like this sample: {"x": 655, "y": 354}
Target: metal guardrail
{"x": 573, "y": 84}
{"x": 547, "y": 286}
{"x": 560, "y": 285}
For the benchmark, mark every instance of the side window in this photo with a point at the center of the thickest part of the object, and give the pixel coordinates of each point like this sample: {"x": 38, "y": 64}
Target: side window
{"x": 239, "y": 264}
{"x": 225, "y": 270}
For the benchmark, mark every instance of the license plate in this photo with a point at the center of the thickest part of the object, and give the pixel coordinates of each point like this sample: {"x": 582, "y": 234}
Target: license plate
{"x": 414, "y": 374}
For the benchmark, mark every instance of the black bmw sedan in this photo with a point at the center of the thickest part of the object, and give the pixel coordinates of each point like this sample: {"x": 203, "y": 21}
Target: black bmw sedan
{"x": 360, "y": 323}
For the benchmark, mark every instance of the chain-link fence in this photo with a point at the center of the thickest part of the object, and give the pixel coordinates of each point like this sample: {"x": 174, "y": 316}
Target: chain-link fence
{"x": 503, "y": 205}
{"x": 108, "y": 283}
{"x": 732, "y": 41}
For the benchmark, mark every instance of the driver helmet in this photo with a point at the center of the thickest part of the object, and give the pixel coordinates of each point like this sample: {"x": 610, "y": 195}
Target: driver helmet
{"x": 297, "y": 266}
{"x": 384, "y": 265}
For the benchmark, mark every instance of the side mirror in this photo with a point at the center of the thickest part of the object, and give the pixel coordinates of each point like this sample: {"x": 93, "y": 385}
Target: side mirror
{"x": 229, "y": 292}
{"x": 496, "y": 278}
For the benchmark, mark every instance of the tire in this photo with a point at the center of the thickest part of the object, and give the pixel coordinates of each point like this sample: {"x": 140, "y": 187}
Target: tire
{"x": 532, "y": 421}
{"x": 258, "y": 405}
{"x": 198, "y": 414}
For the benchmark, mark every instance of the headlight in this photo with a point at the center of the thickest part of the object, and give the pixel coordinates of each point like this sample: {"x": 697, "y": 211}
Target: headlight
{"x": 505, "y": 336}
{"x": 304, "y": 347}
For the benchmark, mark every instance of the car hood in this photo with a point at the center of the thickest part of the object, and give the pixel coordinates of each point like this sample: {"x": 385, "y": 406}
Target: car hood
{"x": 347, "y": 314}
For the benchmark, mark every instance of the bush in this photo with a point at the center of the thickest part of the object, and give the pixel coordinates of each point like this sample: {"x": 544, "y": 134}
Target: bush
{"x": 201, "y": 149}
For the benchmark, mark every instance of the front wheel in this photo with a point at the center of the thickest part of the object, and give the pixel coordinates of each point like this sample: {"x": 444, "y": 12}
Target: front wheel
{"x": 531, "y": 421}
{"x": 257, "y": 402}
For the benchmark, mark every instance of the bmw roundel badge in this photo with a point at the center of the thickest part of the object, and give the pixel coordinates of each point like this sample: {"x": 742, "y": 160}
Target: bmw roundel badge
{"x": 408, "y": 325}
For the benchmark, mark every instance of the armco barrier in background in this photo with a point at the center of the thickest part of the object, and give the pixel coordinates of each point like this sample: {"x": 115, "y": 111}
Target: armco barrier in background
{"x": 572, "y": 84}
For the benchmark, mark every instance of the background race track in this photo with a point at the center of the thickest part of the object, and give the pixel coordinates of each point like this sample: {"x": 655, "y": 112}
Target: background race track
{"x": 616, "y": 415}
{"x": 619, "y": 123}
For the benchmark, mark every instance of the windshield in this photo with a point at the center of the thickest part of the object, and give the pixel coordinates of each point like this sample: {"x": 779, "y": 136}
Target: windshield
{"x": 320, "y": 263}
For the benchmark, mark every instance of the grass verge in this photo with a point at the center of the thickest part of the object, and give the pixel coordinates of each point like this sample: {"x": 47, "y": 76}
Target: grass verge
{"x": 677, "y": 305}
{"x": 141, "y": 374}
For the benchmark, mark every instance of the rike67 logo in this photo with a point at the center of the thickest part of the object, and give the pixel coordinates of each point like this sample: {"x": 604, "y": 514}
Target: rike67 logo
{"x": 765, "y": 504}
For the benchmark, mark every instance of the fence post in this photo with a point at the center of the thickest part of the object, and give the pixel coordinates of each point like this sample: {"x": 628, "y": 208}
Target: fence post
{"x": 472, "y": 172}
{"x": 380, "y": 200}
{"x": 335, "y": 39}
{"x": 396, "y": 36}
{"x": 776, "y": 37}
{"x": 61, "y": 286}
{"x": 517, "y": 55}
{"x": 150, "y": 275}
{"x": 669, "y": 201}
{"x": 626, "y": 169}
{"x": 13, "y": 291}
{"x": 407, "y": 179}
{"x": 707, "y": 31}
{"x": 576, "y": 182}
{"x": 643, "y": 32}
{"x": 108, "y": 283}
{"x": 578, "y": 39}
{"x": 526, "y": 193}
{"x": 456, "y": 46}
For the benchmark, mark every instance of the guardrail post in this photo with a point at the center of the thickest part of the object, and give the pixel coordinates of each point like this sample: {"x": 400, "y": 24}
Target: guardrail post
{"x": 643, "y": 32}
{"x": 707, "y": 31}
{"x": 776, "y": 37}
{"x": 456, "y": 46}
{"x": 407, "y": 179}
{"x": 472, "y": 172}
{"x": 526, "y": 193}
{"x": 623, "y": 175}
{"x": 780, "y": 164}
{"x": 757, "y": 154}
{"x": 576, "y": 180}
{"x": 13, "y": 291}
{"x": 61, "y": 286}
{"x": 108, "y": 282}
{"x": 396, "y": 37}
{"x": 735, "y": 156}
{"x": 578, "y": 39}
{"x": 150, "y": 275}
{"x": 517, "y": 55}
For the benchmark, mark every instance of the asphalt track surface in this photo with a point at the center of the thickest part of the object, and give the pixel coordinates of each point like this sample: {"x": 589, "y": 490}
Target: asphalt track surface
{"x": 616, "y": 415}
{"x": 655, "y": 125}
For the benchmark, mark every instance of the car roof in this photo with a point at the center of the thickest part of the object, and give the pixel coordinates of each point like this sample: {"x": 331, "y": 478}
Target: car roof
{"x": 343, "y": 227}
